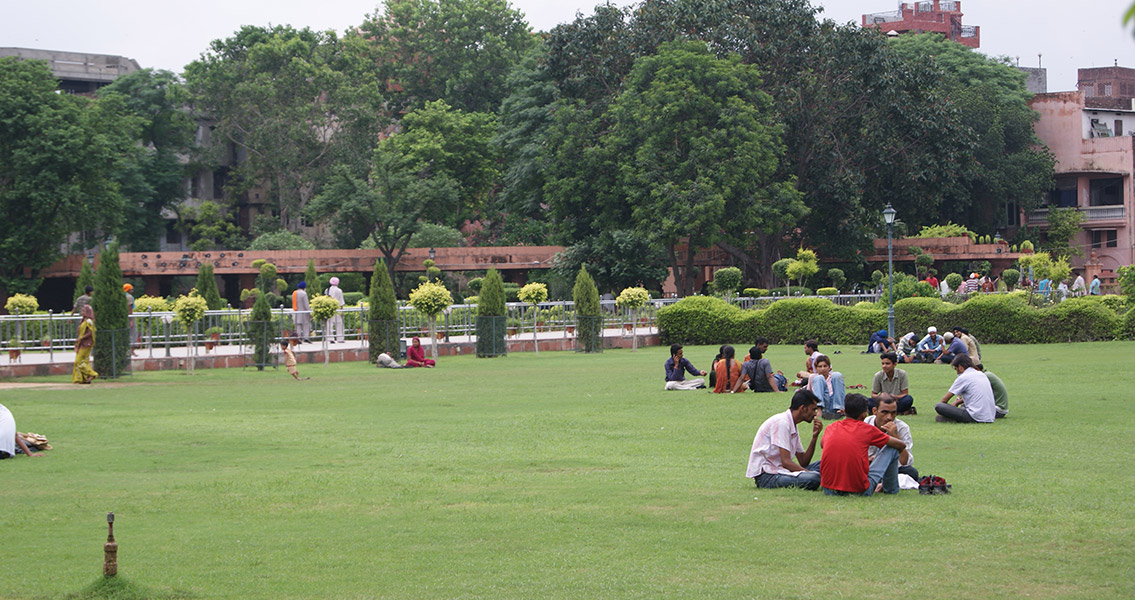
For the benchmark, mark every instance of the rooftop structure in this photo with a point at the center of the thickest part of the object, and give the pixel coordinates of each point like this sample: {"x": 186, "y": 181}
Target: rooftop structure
{"x": 940, "y": 16}
{"x": 78, "y": 72}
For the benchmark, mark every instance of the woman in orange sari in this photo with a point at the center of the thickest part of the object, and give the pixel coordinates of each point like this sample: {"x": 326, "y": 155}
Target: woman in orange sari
{"x": 416, "y": 355}
{"x": 83, "y": 372}
{"x": 728, "y": 371}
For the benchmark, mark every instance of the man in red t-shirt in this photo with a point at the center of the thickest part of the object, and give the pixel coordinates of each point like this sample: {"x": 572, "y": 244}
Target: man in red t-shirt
{"x": 844, "y": 466}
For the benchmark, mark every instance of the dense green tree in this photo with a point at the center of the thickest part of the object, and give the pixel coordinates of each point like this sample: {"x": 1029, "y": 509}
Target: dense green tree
{"x": 210, "y": 229}
{"x": 86, "y": 277}
{"x": 387, "y": 205}
{"x": 261, "y": 332}
{"x": 152, "y": 175}
{"x": 284, "y": 98}
{"x": 112, "y": 346}
{"x": 382, "y": 314}
{"x": 280, "y": 240}
{"x": 617, "y": 258}
{"x": 58, "y": 157}
{"x": 491, "y": 317}
{"x": 525, "y": 116}
{"x": 1063, "y": 226}
{"x": 207, "y": 287}
{"x": 459, "y": 51}
{"x": 1010, "y": 167}
{"x": 589, "y": 322}
{"x": 698, "y": 144}
{"x": 311, "y": 276}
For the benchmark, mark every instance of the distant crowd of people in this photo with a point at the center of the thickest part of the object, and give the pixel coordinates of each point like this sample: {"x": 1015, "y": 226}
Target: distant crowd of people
{"x": 1058, "y": 290}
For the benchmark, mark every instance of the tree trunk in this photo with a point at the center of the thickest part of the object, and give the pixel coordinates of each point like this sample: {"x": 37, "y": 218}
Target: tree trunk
{"x": 433, "y": 336}
{"x": 634, "y": 331}
{"x": 535, "y": 338}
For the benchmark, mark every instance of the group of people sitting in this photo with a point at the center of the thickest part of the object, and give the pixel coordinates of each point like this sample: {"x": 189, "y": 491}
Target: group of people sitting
{"x": 932, "y": 348}
{"x": 865, "y": 452}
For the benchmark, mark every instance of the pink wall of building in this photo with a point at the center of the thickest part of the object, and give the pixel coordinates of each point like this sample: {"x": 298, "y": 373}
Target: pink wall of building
{"x": 1065, "y": 127}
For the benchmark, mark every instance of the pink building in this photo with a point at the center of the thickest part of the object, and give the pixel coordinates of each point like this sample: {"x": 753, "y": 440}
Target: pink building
{"x": 1095, "y": 161}
{"x": 940, "y": 16}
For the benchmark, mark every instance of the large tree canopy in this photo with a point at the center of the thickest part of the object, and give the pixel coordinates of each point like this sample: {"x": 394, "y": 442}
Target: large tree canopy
{"x": 58, "y": 157}
{"x": 697, "y": 144}
{"x": 152, "y": 176}
{"x": 282, "y": 98}
{"x": 1010, "y": 165}
{"x": 459, "y": 51}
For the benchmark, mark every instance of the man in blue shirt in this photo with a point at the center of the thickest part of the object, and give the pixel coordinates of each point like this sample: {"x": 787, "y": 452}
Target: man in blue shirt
{"x": 1094, "y": 288}
{"x": 677, "y": 367}
{"x": 954, "y": 347}
{"x": 930, "y": 347}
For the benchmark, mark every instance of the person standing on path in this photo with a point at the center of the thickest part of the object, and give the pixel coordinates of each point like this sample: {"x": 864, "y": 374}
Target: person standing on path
{"x": 335, "y": 323}
{"x": 85, "y": 340}
{"x": 301, "y": 308}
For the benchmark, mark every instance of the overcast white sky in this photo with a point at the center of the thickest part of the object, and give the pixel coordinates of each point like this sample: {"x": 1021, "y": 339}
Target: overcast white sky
{"x": 168, "y": 35}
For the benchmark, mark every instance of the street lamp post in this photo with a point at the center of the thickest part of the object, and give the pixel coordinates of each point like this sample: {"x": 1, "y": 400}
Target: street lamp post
{"x": 889, "y": 216}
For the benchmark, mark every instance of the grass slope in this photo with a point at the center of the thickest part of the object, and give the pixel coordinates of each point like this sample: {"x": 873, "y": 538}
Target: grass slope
{"x": 558, "y": 476}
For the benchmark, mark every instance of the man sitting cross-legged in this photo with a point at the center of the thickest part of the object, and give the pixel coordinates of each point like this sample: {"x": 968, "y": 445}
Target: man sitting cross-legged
{"x": 777, "y": 442}
{"x": 845, "y": 466}
{"x": 893, "y": 381}
{"x": 757, "y": 373}
{"x": 971, "y": 388}
{"x": 886, "y": 411}
{"x": 676, "y": 367}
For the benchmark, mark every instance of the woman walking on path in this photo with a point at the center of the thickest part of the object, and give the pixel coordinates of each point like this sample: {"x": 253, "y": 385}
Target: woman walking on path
{"x": 83, "y": 372}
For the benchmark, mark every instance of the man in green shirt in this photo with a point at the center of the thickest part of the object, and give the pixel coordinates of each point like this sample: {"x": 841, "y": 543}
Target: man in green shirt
{"x": 1000, "y": 394}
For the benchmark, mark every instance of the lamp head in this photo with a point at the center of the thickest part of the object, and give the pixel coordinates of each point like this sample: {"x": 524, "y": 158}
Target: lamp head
{"x": 889, "y": 214}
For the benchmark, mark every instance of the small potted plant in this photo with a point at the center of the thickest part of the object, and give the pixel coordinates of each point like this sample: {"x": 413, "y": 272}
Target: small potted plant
{"x": 213, "y": 335}
{"x": 14, "y": 347}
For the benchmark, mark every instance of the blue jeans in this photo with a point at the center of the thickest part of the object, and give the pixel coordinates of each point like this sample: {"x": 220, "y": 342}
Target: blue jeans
{"x": 808, "y": 480}
{"x": 903, "y": 403}
{"x": 884, "y": 468}
{"x": 781, "y": 382}
{"x": 832, "y": 401}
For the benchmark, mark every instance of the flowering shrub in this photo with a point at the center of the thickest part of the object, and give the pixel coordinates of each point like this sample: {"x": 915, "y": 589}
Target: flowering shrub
{"x": 323, "y": 308}
{"x": 150, "y": 304}
{"x": 22, "y": 304}
{"x": 633, "y": 298}
{"x": 533, "y": 293}
{"x": 189, "y": 309}
{"x": 430, "y": 298}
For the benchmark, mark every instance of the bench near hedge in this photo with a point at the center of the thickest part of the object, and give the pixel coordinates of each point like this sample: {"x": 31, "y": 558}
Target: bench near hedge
{"x": 994, "y": 318}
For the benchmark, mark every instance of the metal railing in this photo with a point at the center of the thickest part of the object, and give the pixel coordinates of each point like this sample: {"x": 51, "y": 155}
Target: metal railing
{"x": 1090, "y": 213}
{"x": 155, "y": 334}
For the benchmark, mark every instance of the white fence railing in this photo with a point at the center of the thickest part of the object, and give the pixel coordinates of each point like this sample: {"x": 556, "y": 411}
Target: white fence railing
{"x": 157, "y": 332}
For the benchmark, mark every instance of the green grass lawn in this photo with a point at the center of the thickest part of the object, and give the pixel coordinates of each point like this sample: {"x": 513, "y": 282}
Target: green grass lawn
{"x": 560, "y": 476}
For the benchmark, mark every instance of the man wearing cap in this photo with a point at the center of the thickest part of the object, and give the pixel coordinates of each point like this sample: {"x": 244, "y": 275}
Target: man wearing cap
{"x": 973, "y": 284}
{"x": 930, "y": 347}
{"x": 335, "y": 323}
{"x": 301, "y": 308}
{"x": 126, "y": 289}
{"x": 954, "y": 347}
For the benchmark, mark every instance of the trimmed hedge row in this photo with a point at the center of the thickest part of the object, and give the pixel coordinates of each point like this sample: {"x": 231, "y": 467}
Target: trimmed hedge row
{"x": 999, "y": 319}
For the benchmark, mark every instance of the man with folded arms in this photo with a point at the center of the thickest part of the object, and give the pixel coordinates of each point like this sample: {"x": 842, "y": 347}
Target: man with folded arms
{"x": 777, "y": 443}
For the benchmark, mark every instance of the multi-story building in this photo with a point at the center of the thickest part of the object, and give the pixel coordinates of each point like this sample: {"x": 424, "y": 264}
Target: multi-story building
{"x": 940, "y": 16}
{"x": 1107, "y": 86}
{"x": 1095, "y": 161}
{"x": 77, "y": 72}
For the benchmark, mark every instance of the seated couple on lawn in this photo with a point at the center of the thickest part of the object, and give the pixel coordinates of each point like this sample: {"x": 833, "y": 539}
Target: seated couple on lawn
{"x": 757, "y": 373}
{"x": 848, "y": 466}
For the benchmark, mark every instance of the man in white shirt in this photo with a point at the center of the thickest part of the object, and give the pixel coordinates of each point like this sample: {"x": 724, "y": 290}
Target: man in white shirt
{"x": 886, "y": 411}
{"x": 9, "y": 440}
{"x": 1079, "y": 288}
{"x": 335, "y": 323}
{"x": 777, "y": 442}
{"x": 972, "y": 389}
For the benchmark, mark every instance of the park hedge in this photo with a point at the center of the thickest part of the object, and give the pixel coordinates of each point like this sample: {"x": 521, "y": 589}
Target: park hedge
{"x": 998, "y": 319}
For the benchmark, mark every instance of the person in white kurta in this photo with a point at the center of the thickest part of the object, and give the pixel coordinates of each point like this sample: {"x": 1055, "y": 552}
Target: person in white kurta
{"x": 335, "y": 324}
{"x": 8, "y": 439}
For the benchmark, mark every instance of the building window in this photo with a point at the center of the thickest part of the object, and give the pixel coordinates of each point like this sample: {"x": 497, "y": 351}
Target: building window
{"x": 1099, "y": 90}
{"x": 1106, "y": 192}
{"x": 1107, "y": 90}
{"x": 1105, "y": 239}
{"x": 1012, "y": 214}
{"x": 1088, "y": 89}
{"x": 1064, "y": 196}
{"x": 1119, "y": 127}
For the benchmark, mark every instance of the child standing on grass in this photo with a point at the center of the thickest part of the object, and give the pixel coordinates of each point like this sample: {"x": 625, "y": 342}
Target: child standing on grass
{"x": 290, "y": 361}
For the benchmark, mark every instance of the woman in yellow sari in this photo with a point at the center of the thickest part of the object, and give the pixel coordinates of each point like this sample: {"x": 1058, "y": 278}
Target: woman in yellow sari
{"x": 83, "y": 372}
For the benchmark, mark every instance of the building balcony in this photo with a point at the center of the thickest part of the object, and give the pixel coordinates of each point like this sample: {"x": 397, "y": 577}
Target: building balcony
{"x": 1091, "y": 214}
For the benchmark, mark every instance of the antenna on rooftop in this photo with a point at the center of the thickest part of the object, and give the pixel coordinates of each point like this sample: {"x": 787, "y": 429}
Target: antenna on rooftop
{"x": 1038, "y": 63}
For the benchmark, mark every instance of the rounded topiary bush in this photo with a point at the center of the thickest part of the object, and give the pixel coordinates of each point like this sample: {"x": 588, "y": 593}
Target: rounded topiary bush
{"x": 1000, "y": 319}
{"x": 1126, "y": 328}
{"x": 1079, "y": 320}
{"x": 827, "y": 291}
{"x": 700, "y": 320}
